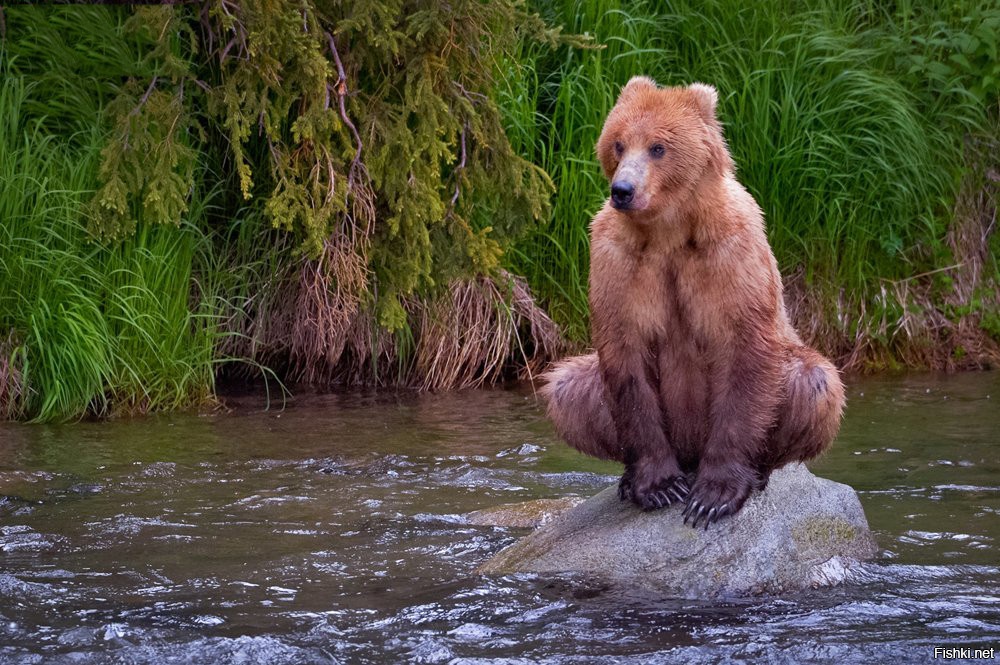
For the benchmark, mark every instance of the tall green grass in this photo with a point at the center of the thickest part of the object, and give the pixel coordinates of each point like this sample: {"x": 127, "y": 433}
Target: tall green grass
{"x": 853, "y": 156}
{"x": 59, "y": 334}
{"x": 97, "y": 329}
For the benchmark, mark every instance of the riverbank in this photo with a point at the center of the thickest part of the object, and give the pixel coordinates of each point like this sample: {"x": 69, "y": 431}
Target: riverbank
{"x": 394, "y": 213}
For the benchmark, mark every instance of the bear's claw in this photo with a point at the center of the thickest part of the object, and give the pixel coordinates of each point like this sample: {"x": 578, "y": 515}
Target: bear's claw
{"x": 663, "y": 493}
{"x": 713, "y": 499}
{"x": 696, "y": 511}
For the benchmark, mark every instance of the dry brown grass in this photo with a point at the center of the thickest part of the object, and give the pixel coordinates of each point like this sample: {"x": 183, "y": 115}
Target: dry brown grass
{"x": 472, "y": 335}
{"x": 11, "y": 385}
{"x": 318, "y": 327}
{"x": 922, "y": 321}
{"x": 969, "y": 238}
{"x": 327, "y": 303}
{"x": 304, "y": 316}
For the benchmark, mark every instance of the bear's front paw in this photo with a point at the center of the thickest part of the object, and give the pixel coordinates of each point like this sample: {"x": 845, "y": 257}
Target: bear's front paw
{"x": 661, "y": 493}
{"x": 716, "y": 494}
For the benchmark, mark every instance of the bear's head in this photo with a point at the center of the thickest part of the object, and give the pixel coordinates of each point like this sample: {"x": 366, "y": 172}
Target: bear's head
{"x": 658, "y": 143}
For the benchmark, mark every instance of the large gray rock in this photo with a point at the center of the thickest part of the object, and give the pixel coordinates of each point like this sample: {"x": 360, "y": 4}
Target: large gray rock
{"x": 800, "y": 532}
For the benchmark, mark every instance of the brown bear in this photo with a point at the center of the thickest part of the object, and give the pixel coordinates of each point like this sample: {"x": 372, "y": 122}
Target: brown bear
{"x": 699, "y": 383}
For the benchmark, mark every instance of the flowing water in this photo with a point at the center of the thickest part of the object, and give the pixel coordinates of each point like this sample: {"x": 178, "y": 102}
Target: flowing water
{"x": 332, "y": 531}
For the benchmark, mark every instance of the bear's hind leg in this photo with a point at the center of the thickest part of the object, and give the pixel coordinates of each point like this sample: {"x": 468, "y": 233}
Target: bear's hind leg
{"x": 576, "y": 397}
{"x": 574, "y": 392}
{"x": 809, "y": 417}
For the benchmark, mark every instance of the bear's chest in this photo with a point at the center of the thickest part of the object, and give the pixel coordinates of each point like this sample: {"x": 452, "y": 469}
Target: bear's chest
{"x": 644, "y": 299}
{"x": 667, "y": 301}
{"x": 695, "y": 303}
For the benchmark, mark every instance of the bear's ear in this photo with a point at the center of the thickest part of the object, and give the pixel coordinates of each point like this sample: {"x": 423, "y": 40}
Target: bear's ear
{"x": 706, "y": 97}
{"x": 636, "y": 84}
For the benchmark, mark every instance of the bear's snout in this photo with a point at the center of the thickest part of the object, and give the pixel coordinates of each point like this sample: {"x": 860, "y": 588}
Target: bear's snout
{"x": 622, "y": 193}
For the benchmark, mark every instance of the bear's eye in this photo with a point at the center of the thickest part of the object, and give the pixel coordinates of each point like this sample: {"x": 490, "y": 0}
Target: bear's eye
{"x": 657, "y": 150}
{"x": 619, "y": 148}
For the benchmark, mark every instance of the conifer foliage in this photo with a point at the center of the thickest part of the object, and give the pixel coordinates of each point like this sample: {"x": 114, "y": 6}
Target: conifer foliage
{"x": 360, "y": 128}
{"x": 339, "y": 171}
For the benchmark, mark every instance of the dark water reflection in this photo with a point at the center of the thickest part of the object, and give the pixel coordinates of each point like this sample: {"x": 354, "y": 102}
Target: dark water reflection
{"x": 331, "y": 531}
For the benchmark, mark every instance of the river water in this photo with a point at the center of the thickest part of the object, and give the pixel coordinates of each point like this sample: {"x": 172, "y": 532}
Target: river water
{"x": 332, "y": 531}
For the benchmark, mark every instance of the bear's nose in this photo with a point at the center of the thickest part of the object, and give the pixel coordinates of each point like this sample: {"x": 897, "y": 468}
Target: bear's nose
{"x": 621, "y": 193}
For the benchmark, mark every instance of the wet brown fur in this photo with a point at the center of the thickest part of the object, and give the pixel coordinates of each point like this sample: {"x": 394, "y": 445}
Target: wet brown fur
{"x": 697, "y": 369}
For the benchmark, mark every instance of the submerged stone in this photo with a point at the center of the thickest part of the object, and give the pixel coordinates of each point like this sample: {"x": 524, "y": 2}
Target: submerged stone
{"x": 526, "y": 514}
{"x": 800, "y": 532}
